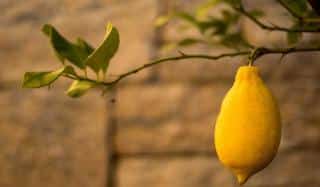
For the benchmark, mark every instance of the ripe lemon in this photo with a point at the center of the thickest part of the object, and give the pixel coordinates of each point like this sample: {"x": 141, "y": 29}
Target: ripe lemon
{"x": 248, "y": 128}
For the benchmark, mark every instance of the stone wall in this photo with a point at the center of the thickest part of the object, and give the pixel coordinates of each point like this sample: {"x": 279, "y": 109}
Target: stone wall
{"x": 159, "y": 132}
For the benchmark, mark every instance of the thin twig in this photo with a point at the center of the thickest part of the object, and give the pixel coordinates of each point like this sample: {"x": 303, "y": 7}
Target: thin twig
{"x": 293, "y": 13}
{"x": 156, "y": 62}
{"x": 297, "y": 16}
{"x": 177, "y": 58}
{"x": 312, "y": 20}
{"x": 254, "y": 55}
{"x": 242, "y": 11}
{"x": 259, "y": 52}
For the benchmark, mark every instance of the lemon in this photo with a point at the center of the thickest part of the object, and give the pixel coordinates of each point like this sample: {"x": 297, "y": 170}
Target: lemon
{"x": 248, "y": 127}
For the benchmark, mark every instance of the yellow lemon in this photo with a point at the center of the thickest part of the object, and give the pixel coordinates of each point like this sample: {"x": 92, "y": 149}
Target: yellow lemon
{"x": 248, "y": 128}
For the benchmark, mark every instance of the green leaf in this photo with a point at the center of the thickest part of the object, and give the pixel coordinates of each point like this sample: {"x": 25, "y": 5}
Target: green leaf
{"x": 70, "y": 71}
{"x": 299, "y": 7}
{"x": 162, "y": 20}
{"x": 187, "y": 17}
{"x": 188, "y": 41}
{"x": 84, "y": 46}
{"x": 310, "y": 26}
{"x": 294, "y": 37}
{"x": 232, "y": 2}
{"x": 257, "y": 13}
{"x": 40, "y": 79}
{"x": 168, "y": 46}
{"x": 203, "y": 9}
{"x": 230, "y": 16}
{"x": 218, "y": 27}
{"x": 234, "y": 40}
{"x": 100, "y": 58}
{"x": 79, "y": 88}
{"x": 75, "y": 53}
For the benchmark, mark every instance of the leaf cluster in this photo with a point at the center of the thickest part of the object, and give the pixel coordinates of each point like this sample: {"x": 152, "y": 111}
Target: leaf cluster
{"x": 216, "y": 25}
{"x": 78, "y": 55}
{"x": 224, "y": 27}
{"x": 217, "y": 22}
{"x": 300, "y": 12}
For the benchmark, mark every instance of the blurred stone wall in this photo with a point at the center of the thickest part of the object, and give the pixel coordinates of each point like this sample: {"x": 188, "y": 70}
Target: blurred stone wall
{"x": 159, "y": 132}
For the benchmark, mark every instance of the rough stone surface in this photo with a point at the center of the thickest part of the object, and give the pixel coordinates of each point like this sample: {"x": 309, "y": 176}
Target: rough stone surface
{"x": 285, "y": 170}
{"x": 48, "y": 139}
{"x": 167, "y": 118}
{"x": 295, "y": 168}
{"x": 163, "y": 118}
{"x": 177, "y": 172}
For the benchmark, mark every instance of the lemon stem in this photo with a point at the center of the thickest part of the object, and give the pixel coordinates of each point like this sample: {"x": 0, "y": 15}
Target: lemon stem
{"x": 252, "y": 57}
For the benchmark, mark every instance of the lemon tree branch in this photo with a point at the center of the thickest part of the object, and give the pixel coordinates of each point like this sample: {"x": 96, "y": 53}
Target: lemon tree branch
{"x": 259, "y": 52}
{"x": 183, "y": 56}
{"x": 262, "y": 25}
{"x": 253, "y": 55}
{"x": 293, "y": 13}
{"x": 81, "y": 55}
{"x": 297, "y": 16}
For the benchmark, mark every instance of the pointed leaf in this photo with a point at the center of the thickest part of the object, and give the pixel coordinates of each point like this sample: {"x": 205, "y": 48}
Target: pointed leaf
{"x": 189, "y": 41}
{"x": 40, "y": 79}
{"x": 64, "y": 49}
{"x": 232, "y": 2}
{"x": 162, "y": 20}
{"x": 203, "y": 9}
{"x": 187, "y": 17}
{"x": 83, "y": 45}
{"x": 299, "y": 7}
{"x": 100, "y": 58}
{"x": 235, "y": 41}
{"x": 257, "y": 13}
{"x": 294, "y": 37}
{"x": 69, "y": 70}
{"x": 79, "y": 88}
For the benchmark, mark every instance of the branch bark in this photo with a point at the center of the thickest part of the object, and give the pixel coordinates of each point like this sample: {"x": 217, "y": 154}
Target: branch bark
{"x": 182, "y": 56}
{"x": 294, "y": 14}
{"x": 259, "y": 52}
{"x": 315, "y": 5}
{"x": 253, "y": 56}
{"x": 244, "y": 12}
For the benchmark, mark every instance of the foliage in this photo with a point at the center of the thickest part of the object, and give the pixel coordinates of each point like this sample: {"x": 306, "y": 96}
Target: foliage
{"x": 100, "y": 58}
{"x": 80, "y": 87}
{"x": 79, "y": 54}
{"x": 40, "y": 79}
{"x": 217, "y": 22}
{"x": 224, "y": 28}
{"x": 75, "y": 53}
